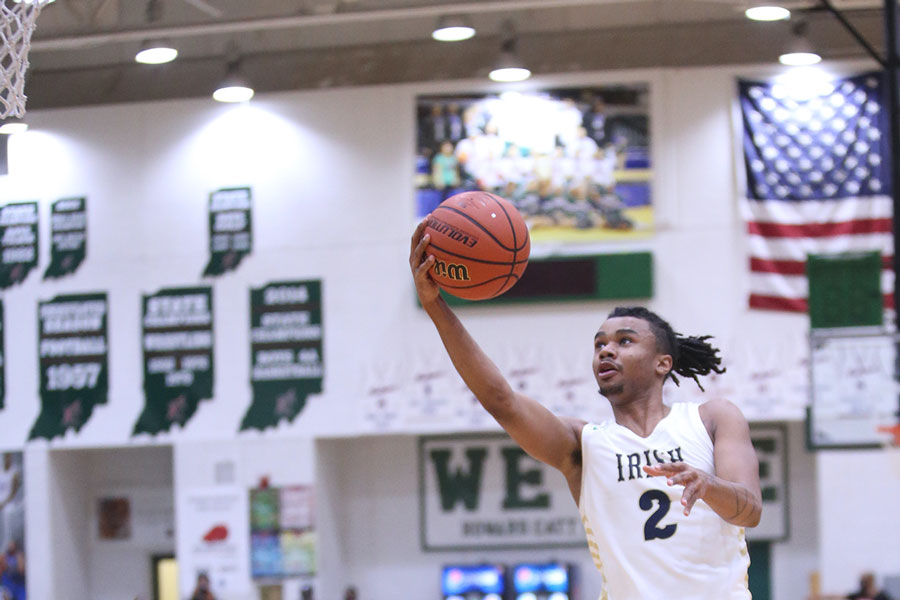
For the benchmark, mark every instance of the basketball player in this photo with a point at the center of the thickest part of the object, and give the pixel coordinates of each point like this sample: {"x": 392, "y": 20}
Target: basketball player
{"x": 629, "y": 474}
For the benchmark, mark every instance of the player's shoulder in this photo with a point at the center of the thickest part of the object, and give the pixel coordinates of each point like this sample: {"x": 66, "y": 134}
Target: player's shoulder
{"x": 720, "y": 407}
{"x": 718, "y": 412}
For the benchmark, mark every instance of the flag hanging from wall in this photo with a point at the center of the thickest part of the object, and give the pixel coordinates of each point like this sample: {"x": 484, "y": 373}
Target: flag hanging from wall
{"x": 230, "y": 229}
{"x": 177, "y": 328}
{"x": 286, "y": 351}
{"x": 68, "y": 236}
{"x": 73, "y": 358}
{"x": 817, "y": 165}
{"x": 19, "y": 242}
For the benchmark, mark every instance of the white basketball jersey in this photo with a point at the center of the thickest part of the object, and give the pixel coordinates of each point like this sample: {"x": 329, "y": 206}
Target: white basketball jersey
{"x": 639, "y": 538}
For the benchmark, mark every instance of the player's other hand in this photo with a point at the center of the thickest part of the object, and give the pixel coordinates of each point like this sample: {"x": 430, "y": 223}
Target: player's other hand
{"x": 420, "y": 263}
{"x": 695, "y": 481}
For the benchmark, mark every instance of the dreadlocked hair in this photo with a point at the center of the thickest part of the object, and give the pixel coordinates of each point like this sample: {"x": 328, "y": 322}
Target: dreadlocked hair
{"x": 691, "y": 355}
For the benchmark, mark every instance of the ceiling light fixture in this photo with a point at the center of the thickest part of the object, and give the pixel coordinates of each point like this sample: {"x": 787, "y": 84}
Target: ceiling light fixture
{"x": 800, "y": 52}
{"x": 767, "y": 12}
{"x": 509, "y": 67}
{"x": 233, "y": 88}
{"x": 452, "y": 29}
{"x": 13, "y": 125}
{"x": 156, "y": 52}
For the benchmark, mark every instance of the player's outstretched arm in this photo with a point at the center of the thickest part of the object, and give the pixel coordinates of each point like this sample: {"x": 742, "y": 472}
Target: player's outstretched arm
{"x": 538, "y": 431}
{"x": 733, "y": 492}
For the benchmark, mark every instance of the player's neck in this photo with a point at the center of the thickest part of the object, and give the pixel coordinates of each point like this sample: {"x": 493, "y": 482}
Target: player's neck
{"x": 641, "y": 414}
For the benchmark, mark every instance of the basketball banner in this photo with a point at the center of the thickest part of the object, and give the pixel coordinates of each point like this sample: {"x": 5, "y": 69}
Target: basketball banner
{"x": 68, "y": 236}
{"x": 285, "y": 349}
{"x": 73, "y": 362}
{"x": 177, "y": 326}
{"x": 19, "y": 241}
{"x": 230, "y": 229}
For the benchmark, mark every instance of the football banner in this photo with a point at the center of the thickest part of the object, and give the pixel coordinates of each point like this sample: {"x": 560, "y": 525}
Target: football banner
{"x": 178, "y": 356}
{"x": 73, "y": 359}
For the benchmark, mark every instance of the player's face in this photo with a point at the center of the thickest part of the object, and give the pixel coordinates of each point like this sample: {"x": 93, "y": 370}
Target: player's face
{"x": 626, "y": 358}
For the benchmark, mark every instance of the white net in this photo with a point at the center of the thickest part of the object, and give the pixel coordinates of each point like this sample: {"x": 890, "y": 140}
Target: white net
{"x": 17, "y": 19}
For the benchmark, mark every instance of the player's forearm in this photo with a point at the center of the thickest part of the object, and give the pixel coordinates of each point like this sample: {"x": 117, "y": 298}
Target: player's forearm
{"x": 480, "y": 374}
{"x": 734, "y": 502}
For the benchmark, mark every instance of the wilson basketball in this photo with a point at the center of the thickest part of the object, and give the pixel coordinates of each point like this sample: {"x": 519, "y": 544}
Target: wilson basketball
{"x": 480, "y": 244}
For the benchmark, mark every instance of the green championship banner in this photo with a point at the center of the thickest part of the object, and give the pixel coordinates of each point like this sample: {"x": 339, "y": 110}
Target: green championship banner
{"x": 68, "y": 236}
{"x": 19, "y": 241}
{"x": 73, "y": 359}
{"x": 285, "y": 349}
{"x": 2, "y": 360}
{"x": 178, "y": 356}
{"x": 230, "y": 229}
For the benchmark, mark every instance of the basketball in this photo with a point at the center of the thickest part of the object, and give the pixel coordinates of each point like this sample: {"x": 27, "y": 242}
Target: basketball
{"x": 480, "y": 244}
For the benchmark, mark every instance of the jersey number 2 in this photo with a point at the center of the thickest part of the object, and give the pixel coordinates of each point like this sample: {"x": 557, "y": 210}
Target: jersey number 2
{"x": 652, "y": 530}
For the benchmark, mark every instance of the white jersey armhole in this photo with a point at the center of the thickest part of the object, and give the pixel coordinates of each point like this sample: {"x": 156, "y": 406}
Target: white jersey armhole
{"x": 697, "y": 420}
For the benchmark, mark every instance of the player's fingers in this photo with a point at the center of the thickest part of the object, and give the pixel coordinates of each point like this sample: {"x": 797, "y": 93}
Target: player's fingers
{"x": 424, "y": 268}
{"x": 418, "y": 251}
{"x": 417, "y": 234}
{"x": 676, "y": 467}
{"x": 689, "y": 497}
{"x": 681, "y": 478}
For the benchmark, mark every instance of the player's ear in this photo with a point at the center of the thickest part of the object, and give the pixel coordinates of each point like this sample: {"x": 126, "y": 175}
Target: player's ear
{"x": 663, "y": 364}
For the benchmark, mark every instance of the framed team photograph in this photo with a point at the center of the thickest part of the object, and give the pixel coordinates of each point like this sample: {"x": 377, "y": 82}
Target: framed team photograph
{"x": 574, "y": 161}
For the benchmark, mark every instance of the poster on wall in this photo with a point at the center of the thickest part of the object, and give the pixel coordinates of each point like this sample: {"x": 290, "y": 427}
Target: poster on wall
{"x": 19, "y": 240}
{"x": 282, "y": 532}
{"x": 770, "y": 443}
{"x": 73, "y": 358}
{"x": 574, "y": 161}
{"x": 114, "y": 518}
{"x": 12, "y": 519}
{"x": 481, "y": 491}
{"x": 68, "y": 236}
{"x": 230, "y": 229}
{"x": 177, "y": 326}
{"x": 213, "y": 540}
{"x": 285, "y": 349}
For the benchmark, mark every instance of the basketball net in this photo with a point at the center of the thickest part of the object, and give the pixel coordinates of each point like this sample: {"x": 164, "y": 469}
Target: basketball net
{"x": 17, "y": 20}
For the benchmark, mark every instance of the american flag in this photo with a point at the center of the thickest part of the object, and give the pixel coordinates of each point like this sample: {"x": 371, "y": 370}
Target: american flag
{"x": 818, "y": 182}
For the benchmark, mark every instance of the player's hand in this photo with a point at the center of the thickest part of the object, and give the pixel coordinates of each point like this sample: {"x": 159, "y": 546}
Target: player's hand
{"x": 420, "y": 264}
{"x": 695, "y": 481}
